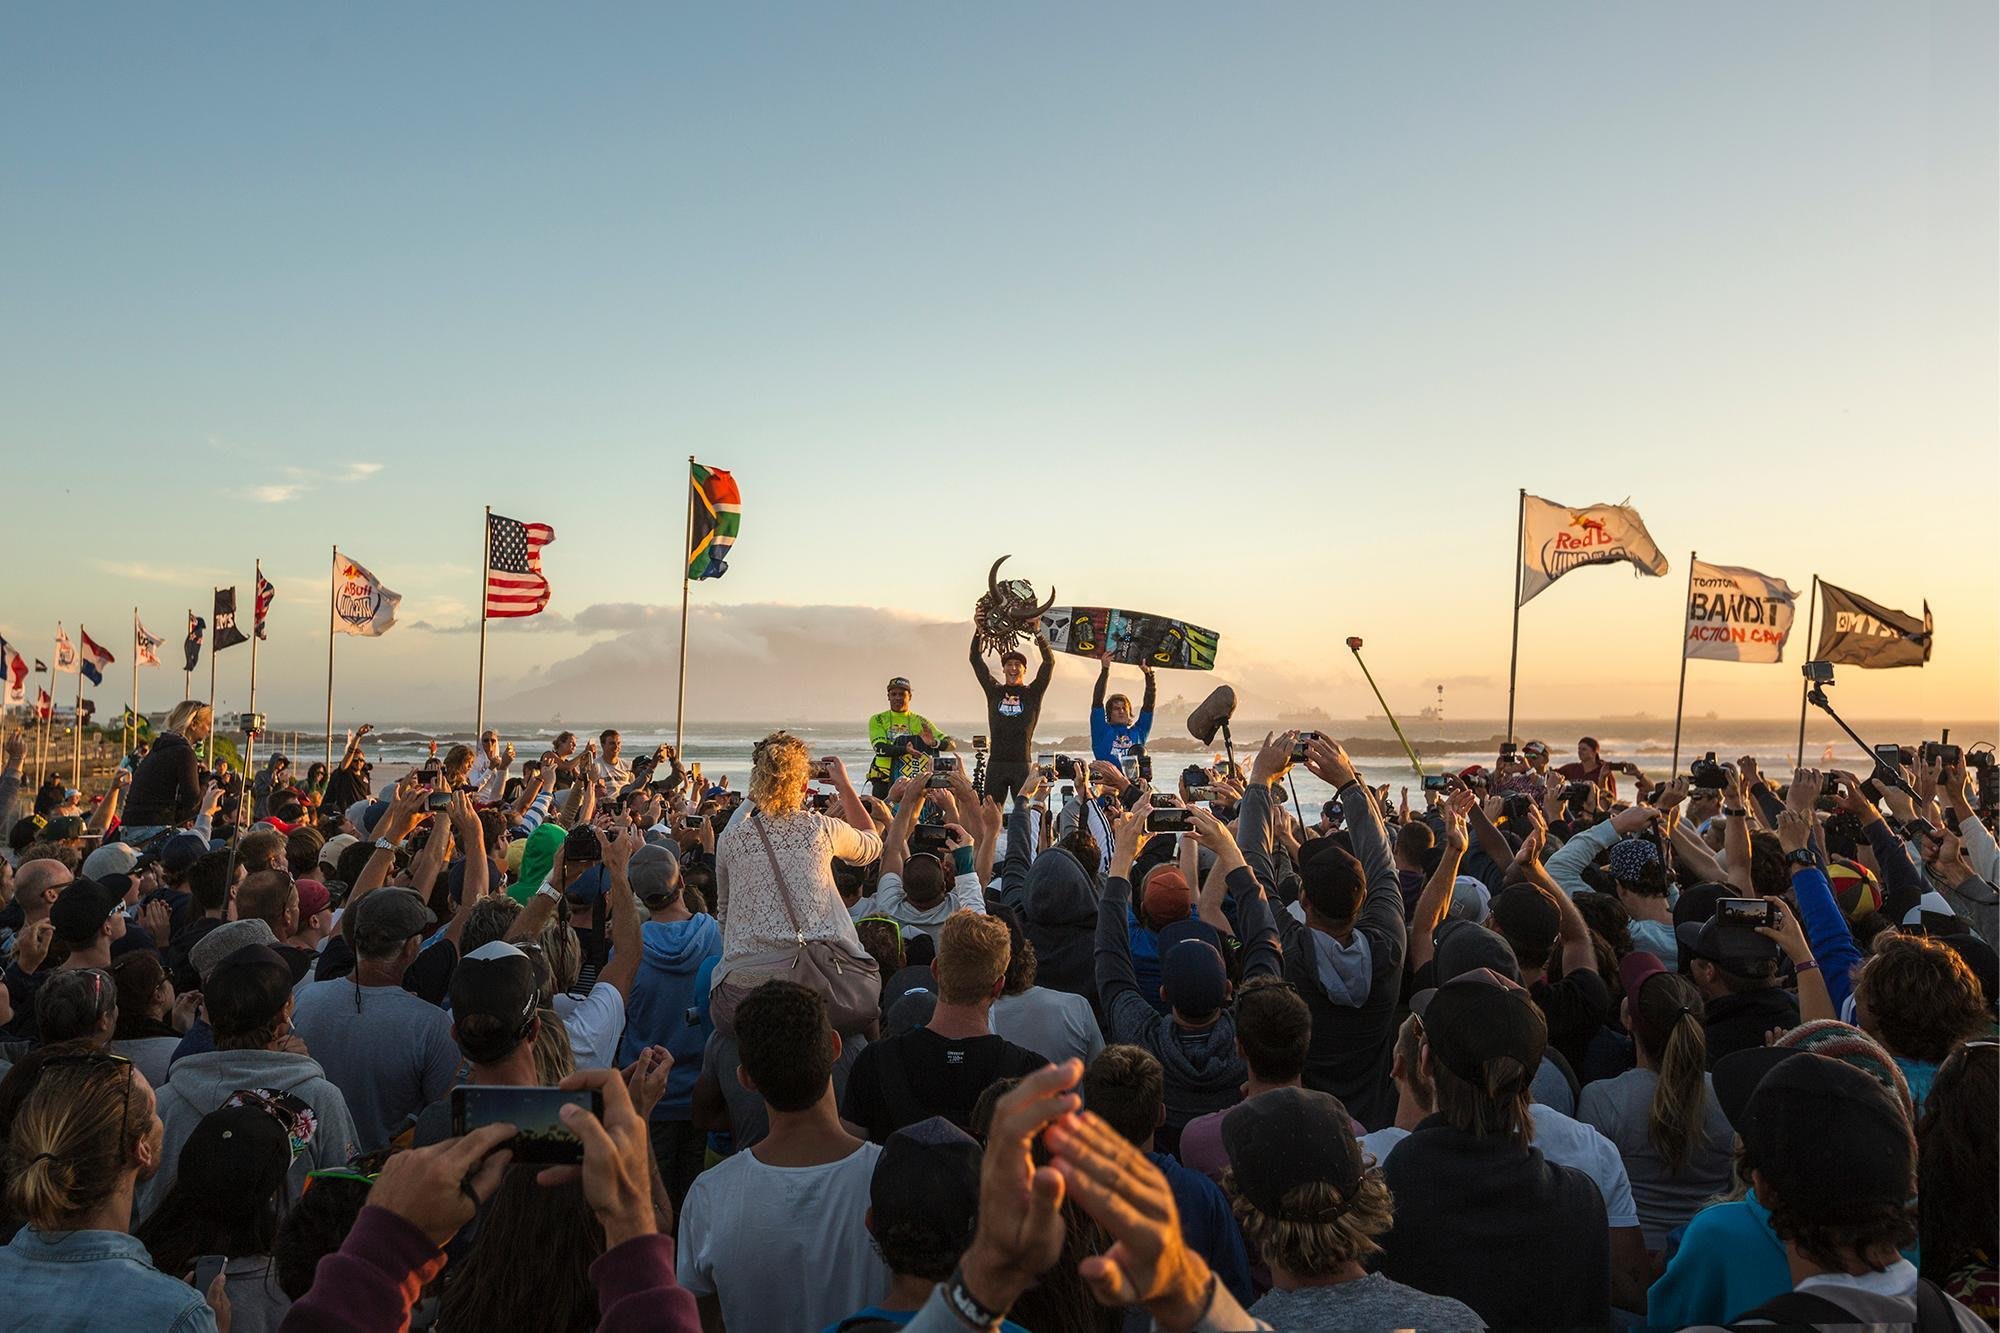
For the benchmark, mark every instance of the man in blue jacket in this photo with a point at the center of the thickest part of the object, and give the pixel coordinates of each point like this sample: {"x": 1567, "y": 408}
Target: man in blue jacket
{"x": 676, "y": 942}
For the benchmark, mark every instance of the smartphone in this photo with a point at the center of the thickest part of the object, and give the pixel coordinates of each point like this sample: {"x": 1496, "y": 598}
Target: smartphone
{"x": 691, "y": 821}
{"x": 1160, "y": 800}
{"x": 1169, "y": 819}
{"x": 1066, "y": 791}
{"x": 938, "y": 781}
{"x": 206, "y": 1269}
{"x": 542, "y": 1138}
{"x": 1507, "y": 749}
{"x": 1132, "y": 769}
{"x": 1437, "y": 782}
{"x": 1301, "y": 744}
{"x": 1746, "y": 912}
{"x": 929, "y": 838}
{"x": 946, "y": 763}
{"x": 1045, "y": 760}
{"x": 694, "y": 770}
{"x": 1201, "y": 793}
{"x": 428, "y": 774}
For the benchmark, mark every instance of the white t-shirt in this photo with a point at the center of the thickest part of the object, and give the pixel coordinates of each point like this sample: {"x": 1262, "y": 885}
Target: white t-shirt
{"x": 595, "y": 1023}
{"x": 1565, "y": 1142}
{"x": 741, "y": 1241}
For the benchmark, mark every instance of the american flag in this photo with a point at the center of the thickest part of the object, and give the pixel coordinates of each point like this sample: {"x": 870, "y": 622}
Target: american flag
{"x": 514, "y": 582}
{"x": 265, "y": 592}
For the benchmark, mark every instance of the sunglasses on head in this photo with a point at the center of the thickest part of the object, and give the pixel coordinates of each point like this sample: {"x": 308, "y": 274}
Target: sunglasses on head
{"x": 93, "y": 1058}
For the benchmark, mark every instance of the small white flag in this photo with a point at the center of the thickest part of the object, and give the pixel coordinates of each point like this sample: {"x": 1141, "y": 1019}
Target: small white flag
{"x": 148, "y": 644}
{"x": 361, "y": 605}
{"x": 1556, "y": 539}
{"x": 1737, "y": 615}
{"x": 65, "y": 650}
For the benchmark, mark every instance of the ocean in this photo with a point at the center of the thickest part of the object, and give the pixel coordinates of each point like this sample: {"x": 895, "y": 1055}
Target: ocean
{"x": 723, "y": 748}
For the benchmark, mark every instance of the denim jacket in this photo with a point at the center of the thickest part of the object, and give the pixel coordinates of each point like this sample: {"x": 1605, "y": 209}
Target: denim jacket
{"x": 76, "y": 1281}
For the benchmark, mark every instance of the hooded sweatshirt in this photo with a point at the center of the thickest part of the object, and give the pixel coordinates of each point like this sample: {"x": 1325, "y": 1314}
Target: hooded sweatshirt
{"x": 656, "y": 1012}
{"x": 1057, "y": 901}
{"x": 1204, "y": 1073}
{"x": 1350, "y": 987}
{"x": 202, "y": 1083}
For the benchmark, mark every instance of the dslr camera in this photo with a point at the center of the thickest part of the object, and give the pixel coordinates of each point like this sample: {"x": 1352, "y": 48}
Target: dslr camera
{"x": 1708, "y": 775}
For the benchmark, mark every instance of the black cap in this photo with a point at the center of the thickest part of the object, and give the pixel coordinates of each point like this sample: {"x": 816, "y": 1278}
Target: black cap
{"x": 1479, "y": 1017}
{"x": 926, "y": 1181}
{"x": 236, "y": 1159}
{"x": 1292, "y": 1136}
{"x": 495, "y": 981}
{"x": 1464, "y": 946}
{"x": 1829, "y": 1139}
{"x": 1697, "y": 902}
{"x": 26, "y": 829}
{"x": 1737, "y": 1074}
{"x": 1734, "y": 949}
{"x": 80, "y": 910}
{"x": 247, "y": 989}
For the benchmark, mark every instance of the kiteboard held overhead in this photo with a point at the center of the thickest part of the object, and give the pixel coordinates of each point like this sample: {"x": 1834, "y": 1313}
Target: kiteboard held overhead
{"x": 1132, "y": 638}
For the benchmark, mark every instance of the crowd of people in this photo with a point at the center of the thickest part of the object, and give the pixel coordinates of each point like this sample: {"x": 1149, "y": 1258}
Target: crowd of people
{"x": 1039, "y": 1043}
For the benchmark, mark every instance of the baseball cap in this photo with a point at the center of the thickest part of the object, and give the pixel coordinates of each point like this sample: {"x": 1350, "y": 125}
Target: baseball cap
{"x": 26, "y": 829}
{"x": 1636, "y": 968}
{"x": 1193, "y": 975}
{"x": 245, "y": 988}
{"x": 225, "y": 940}
{"x": 1535, "y": 747}
{"x": 1830, "y": 1140}
{"x": 1479, "y": 1017}
{"x": 1630, "y": 857}
{"x": 330, "y": 850}
{"x": 911, "y": 1011}
{"x": 1734, "y": 949}
{"x": 1737, "y": 1074}
{"x": 655, "y": 873}
{"x": 62, "y": 828}
{"x": 113, "y": 858}
{"x": 1524, "y": 912}
{"x": 313, "y": 898}
{"x": 915, "y": 977}
{"x": 1934, "y": 914}
{"x": 926, "y": 1183}
{"x": 1469, "y": 899}
{"x": 1165, "y": 895}
{"x": 589, "y": 886}
{"x": 357, "y": 814}
{"x": 898, "y": 683}
{"x": 1697, "y": 902}
{"x": 1287, "y": 1137}
{"x": 391, "y": 915}
{"x": 236, "y": 1159}
{"x": 1464, "y": 946}
{"x": 495, "y": 981}
{"x": 80, "y": 910}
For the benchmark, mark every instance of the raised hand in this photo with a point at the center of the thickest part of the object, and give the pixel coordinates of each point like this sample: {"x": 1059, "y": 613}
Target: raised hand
{"x": 1327, "y": 761}
{"x": 1273, "y": 757}
{"x": 1149, "y": 1262}
{"x": 439, "y": 1188}
{"x": 617, "y": 1168}
{"x": 1021, "y": 1231}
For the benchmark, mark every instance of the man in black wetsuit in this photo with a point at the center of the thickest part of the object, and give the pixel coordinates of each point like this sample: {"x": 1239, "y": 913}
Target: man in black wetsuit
{"x": 1013, "y": 706}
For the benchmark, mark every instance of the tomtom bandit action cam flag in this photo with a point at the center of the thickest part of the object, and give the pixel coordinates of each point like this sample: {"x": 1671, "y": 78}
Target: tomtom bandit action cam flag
{"x": 1737, "y": 615}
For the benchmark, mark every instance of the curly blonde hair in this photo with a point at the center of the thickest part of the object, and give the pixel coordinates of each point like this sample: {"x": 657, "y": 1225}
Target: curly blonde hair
{"x": 779, "y": 770}
{"x": 1316, "y": 1249}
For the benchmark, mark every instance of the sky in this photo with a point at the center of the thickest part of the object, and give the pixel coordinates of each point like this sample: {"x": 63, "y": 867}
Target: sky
{"x": 1255, "y": 315}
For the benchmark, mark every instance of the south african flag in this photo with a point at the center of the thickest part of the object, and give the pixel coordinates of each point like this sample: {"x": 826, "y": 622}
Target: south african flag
{"x": 715, "y": 511}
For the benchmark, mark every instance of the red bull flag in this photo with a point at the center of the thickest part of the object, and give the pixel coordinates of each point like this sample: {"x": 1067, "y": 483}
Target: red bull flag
{"x": 715, "y": 511}
{"x": 65, "y": 650}
{"x": 1556, "y": 539}
{"x": 361, "y": 605}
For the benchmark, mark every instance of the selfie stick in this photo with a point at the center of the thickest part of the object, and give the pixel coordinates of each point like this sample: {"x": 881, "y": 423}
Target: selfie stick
{"x": 1354, "y": 645}
{"x": 1816, "y": 695}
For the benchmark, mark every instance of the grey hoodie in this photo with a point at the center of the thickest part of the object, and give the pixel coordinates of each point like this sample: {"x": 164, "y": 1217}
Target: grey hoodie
{"x": 1057, "y": 900}
{"x": 202, "y": 1083}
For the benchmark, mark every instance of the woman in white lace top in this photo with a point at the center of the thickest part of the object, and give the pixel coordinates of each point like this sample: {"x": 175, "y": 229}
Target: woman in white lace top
{"x": 805, "y": 844}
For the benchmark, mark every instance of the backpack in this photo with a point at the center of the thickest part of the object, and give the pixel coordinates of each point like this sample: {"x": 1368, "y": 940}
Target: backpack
{"x": 1809, "y": 1309}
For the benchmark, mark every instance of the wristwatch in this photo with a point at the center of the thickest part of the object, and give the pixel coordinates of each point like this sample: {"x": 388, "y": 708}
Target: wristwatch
{"x": 1735, "y": 814}
{"x": 385, "y": 844}
{"x": 1801, "y": 859}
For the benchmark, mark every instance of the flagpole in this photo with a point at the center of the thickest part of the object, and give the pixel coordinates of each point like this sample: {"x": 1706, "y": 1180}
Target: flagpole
{"x": 133, "y": 744}
{"x": 76, "y": 721}
{"x": 681, "y": 694}
{"x": 1514, "y": 653}
{"x": 1805, "y": 686}
{"x": 250, "y": 723}
{"x": 208, "y": 746}
{"x": 1680, "y": 699}
{"x": 332, "y": 587}
{"x": 187, "y": 672}
{"x": 485, "y": 574}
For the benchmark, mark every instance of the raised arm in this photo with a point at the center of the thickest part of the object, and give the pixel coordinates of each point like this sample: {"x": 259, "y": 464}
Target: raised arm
{"x": 1382, "y": 908}
{"x": 1021, "y": 832}
{"x": 1125, "y": 1010}
{"x": 906, "y": 797}
{"x": 1047, "y": 668}
{"x": 107, "y": 805}
{"x": 1566, "y": 867}
{"x": 1825, "y": 924}
{"x": 980, "y": 671}
{"x": 627, "y": 942}
{"x": 1152, "y": 692}
{"x": 851, "y": 808}
{"x": 1262, "y": 954}
{"x": 1254, "y": 815}
{"x": 1103, "y": 679}
{"x": 1435, "y": 901}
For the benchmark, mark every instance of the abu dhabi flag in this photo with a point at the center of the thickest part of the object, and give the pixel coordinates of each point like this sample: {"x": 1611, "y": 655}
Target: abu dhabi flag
{"x": 361, "y": 605}
{"x": 14, "y": 668}
{"x": 1556, "y": 539}
{"x": 95, "y": 657}
{"x": 1737, "y": 615}
{"x": 65, "y": 650}
{"x": 715, "y": 512}
{"x": 146, "y": 645}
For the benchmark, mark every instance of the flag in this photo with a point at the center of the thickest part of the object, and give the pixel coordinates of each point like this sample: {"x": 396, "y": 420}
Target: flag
{"x": 86, "y": 709}
{"x": 65, "y": 650}
{"x": 1737, "y": 615}
{"x": 1858, "y": 632}
{"x": 14, "y": 668}
{"x": 226, "y": 634}
{"x": 147, "y": 644}
{"x": 361, "y": 605}
{"x": 265, "y": 592}
{"x": 95, "y": 657}
{"x": 514, "y": 582}
{"x": 196, "y": 627}
{"x": 716, "y": 512}
{"x": 1555, "y": 540}
{"x": 44, "y": 706}
{"x": 40, "y": 665}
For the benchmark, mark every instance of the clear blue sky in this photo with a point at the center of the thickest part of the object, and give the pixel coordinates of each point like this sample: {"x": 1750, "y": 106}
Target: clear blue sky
{"x": 1255, "y": 314}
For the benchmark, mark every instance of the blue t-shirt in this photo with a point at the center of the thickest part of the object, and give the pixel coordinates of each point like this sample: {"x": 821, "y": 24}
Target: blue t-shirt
{"x": 1109, "y": 742}
{"x": 1207, "y": 1224}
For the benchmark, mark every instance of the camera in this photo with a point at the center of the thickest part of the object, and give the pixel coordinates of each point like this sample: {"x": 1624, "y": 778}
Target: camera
{"x": 1508, "y": 749}
{"x": 1574, "y": 792}
{"x": 1169, "y": 819}
{"x": 1890, "y": 756}
{"x": 978, "y": 742}
{"x": 1937, "y": 752}
{"x": 1819, "y": 673}
{"x": 1301, "y": 744}
{"x": 1708, "y": 774}
{"x": 1984, "y": 764}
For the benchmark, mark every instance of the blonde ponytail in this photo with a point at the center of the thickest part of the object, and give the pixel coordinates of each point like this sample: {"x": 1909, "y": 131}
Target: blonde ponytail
{"x": 71, "y": 1141}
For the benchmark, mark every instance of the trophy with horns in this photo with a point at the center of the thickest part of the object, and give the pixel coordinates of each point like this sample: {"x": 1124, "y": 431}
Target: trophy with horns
{"x": 1008, "y": 612}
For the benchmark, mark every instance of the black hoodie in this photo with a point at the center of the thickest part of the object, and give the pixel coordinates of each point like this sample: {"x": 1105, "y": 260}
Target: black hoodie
{"x": 1057, "y": 900}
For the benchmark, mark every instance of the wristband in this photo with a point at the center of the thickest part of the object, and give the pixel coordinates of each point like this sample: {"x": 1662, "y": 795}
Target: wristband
{"x": 1810, "y": 965}
{"x": 967, "y": 1306}
{"x": 1736, "y": 814}
{"x": 549, "y": 891}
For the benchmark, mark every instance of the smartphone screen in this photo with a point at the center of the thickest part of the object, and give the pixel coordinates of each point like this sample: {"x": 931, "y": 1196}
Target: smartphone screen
{"x": 1045, "y": 761}
{"x": 1169, "y": 819}
{"x": 532, "y": 1111}
{"x": 1745, "y": 912}
{"x": 206, "y": 1267}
